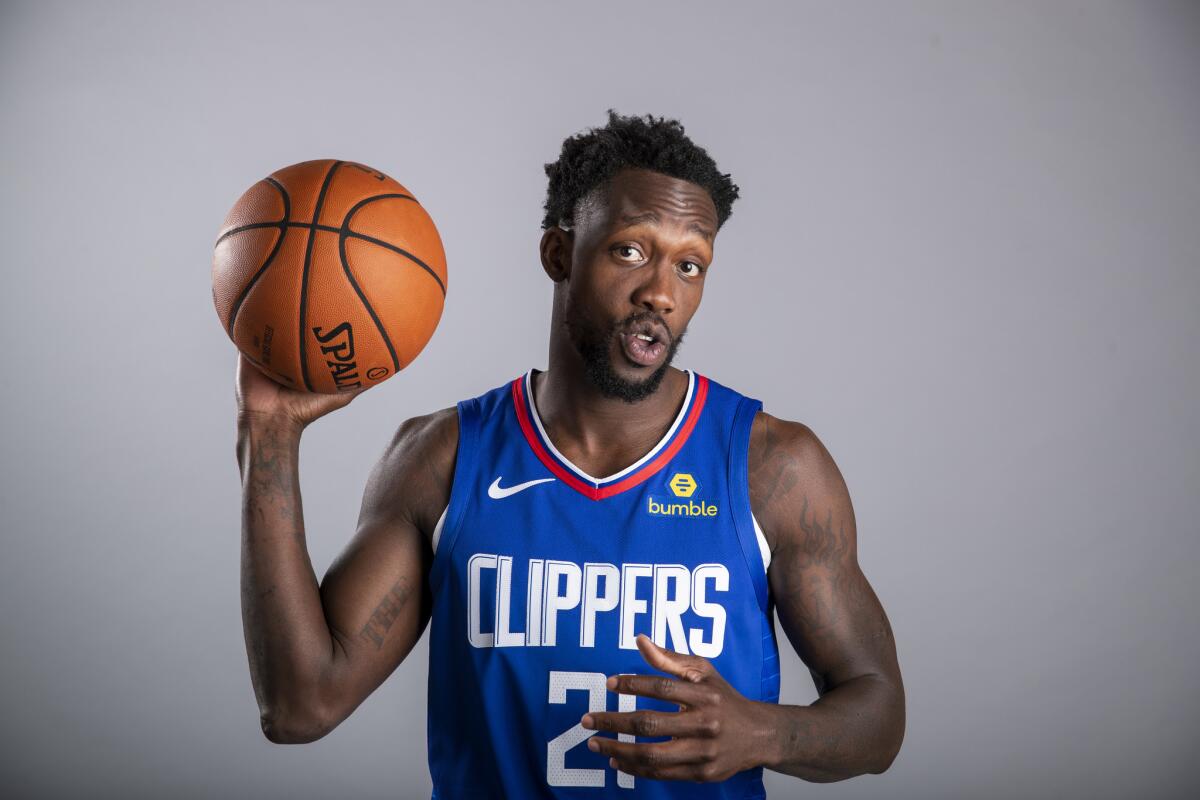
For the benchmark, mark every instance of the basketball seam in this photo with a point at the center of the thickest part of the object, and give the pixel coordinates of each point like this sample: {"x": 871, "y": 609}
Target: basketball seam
{"x": 282, "y": 225}
{"x": 312, "y": 236}
{"x": 389, "y": 245}
{"x": 349, "y": 234}
{"x": 366, "y": 304}
{"x": 343, "y": 234}
{"x": 255, "y": 226}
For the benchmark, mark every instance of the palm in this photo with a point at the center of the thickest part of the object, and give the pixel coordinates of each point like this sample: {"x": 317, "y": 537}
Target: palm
{"x": 260, "y": 396}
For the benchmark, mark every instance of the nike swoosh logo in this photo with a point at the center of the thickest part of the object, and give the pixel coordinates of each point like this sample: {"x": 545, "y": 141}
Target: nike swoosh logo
{"x": 497, "y": 493}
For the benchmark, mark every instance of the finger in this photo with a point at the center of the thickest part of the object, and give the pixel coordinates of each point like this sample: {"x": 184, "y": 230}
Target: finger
{"x": 660, "y": 687}
{"x": 651, "y": 755}
{"x": 649, "y": 723}
{"x": 691, "y": 668}
{"x": 695, "y": 773}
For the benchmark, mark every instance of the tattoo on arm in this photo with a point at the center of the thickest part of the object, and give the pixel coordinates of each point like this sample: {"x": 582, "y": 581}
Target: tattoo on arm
{"x": 826, "y": 607}
{"x": 271, "y": 479}
{"x": 772, "y": 469}
{"x": 385, "y": 613}
{"x": 815, "y": 579}
{"x": 819, "y": 594}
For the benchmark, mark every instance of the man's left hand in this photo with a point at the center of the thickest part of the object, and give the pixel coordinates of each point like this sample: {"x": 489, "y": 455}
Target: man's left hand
{"x": 716, "y": 733}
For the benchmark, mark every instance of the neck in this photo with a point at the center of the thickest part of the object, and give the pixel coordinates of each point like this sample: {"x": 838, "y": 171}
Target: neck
{"x": 602, "y": 435}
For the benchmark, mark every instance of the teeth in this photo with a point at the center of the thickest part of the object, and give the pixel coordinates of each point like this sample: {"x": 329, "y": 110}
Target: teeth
{"x": 644, "y": 337}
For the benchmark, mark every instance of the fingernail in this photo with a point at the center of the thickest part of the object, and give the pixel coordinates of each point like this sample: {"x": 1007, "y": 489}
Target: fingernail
{"x": 593, "y": 745}
{"x": 587, "y": 721}
{"x": 611, "y": 682}
{"x": 612, "y": 762}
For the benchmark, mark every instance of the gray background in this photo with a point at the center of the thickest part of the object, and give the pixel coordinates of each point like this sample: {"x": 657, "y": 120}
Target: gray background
{"x": 966, "y": 255}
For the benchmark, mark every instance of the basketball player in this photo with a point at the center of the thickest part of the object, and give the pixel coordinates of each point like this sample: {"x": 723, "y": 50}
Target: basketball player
{"x": 591, "y": 636}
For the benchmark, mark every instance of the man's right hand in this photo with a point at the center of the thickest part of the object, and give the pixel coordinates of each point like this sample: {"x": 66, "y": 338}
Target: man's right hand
{"x": 261, "y": 399}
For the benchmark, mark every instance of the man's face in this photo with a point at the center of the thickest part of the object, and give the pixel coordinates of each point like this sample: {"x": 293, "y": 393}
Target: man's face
{"x": 639, "y": 250}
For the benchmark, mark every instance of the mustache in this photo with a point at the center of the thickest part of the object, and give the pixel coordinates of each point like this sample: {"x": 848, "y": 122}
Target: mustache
{"x": 633, "y": 320}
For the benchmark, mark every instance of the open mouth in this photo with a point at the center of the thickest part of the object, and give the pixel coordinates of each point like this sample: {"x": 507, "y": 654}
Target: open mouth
{"x": 645, "y": 344}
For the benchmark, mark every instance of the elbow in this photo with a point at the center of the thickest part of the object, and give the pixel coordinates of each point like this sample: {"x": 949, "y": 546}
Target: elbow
{"x": 280, "y": 731}
{"x": 886, "y": 754}
{"x": 295, "y": 724}
{"x": 876, "y": 762}
{"x": 884, "y": 761}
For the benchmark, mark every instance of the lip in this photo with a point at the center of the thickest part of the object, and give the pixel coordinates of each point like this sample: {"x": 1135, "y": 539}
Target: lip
{"x": 640, "y": 352}
{"x": 649, "y": 328}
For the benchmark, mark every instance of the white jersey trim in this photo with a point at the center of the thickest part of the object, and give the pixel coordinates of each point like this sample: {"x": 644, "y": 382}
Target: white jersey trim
{"x": 763, "y": 548}
{"x": 537, "y": 420}
{"x": 437, "y": 529}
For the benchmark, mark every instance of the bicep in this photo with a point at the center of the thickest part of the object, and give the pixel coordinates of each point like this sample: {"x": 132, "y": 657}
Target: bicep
{"x": 376, "y": 601}
{"x": 831, "y": 615}
{"x": 826, "y": 606}
{"x": 376, "y": 593}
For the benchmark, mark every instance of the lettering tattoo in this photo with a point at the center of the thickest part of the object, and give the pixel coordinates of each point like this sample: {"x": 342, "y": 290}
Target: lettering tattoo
{"x": 385, "y": 613}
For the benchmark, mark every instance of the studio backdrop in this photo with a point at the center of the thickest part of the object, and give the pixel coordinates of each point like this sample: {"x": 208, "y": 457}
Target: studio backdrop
{"x": 966, "y": 254}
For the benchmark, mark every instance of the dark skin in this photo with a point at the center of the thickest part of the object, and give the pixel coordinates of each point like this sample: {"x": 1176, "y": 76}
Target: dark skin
{"x": 639, "y": 246}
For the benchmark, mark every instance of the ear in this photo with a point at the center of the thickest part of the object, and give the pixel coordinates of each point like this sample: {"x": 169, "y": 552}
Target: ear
{"x": 556, "y": 249}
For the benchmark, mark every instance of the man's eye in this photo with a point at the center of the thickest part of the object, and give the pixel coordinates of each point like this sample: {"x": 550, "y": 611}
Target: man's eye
{"x": 627, "y": 252}
{"x": 695, "y": 269}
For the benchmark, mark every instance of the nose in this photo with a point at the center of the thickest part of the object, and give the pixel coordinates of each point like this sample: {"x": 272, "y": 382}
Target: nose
{"x": 655, "y": 291}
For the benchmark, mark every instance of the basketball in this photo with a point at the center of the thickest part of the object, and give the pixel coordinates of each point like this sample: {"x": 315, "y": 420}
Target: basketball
{"x": 329, "y": 276}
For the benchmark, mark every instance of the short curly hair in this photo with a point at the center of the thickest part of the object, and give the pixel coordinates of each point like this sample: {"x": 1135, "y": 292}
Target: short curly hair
{"x": 591, "y": 158}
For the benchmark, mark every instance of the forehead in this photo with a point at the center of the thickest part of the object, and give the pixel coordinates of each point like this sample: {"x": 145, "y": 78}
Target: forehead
{"x": 643, "y": 197}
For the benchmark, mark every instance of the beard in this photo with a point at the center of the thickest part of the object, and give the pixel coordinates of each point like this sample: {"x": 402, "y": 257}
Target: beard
{"x": 595, "y": 346}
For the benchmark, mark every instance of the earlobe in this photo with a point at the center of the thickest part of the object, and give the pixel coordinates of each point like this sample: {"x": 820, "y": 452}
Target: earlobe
{"x": 556, "y": 253}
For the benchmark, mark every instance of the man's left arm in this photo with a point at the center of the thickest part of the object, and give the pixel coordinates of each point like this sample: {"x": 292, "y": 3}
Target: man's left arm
{"x": 828, "y": 611}
{"x": 830, "y": 615}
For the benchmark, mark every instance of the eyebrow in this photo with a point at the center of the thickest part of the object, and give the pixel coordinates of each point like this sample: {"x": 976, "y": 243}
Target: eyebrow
{"x": 651, "y": 217}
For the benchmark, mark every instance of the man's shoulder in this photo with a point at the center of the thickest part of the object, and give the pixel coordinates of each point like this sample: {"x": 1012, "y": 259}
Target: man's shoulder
{"x": 428, "y": 434}
{"x": 774, "y": 437}
{"x": 789, "y": 471}
{"x": 496, "y": 400}
{"x": 416, "y": 469}
{"x": 436, "y": 434}
{"x": 423, "y": 451}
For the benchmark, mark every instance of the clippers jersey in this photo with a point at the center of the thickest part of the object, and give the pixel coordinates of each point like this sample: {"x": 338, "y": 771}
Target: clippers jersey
{"x": 543, "y": 576}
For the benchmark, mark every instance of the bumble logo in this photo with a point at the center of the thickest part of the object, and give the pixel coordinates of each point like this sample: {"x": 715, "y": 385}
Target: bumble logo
{"x": 682, "y": 484}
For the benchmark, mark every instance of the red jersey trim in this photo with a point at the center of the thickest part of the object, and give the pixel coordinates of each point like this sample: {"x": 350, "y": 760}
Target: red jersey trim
{"x": 629, "y": 481}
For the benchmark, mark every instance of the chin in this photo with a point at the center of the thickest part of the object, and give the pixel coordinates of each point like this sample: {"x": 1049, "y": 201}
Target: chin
{"x": 630, "y": 383}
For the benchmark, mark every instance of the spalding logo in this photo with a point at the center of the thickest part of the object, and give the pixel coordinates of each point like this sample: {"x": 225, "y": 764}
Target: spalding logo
{"x": 340, "y": 355}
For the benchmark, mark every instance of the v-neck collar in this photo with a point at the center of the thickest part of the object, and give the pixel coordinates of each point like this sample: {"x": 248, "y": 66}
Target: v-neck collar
{"x": 637, "y": 472}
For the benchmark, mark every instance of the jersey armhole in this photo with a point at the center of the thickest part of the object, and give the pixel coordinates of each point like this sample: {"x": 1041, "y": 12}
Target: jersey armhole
{"x": 764, "y": 549}
{"x": 753, "y": 542}
{"x": 445, "y": 532}
{"x": 441, "y": 524}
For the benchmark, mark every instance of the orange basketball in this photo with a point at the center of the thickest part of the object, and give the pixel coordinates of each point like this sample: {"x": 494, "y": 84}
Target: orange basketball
{"x": 329, "y": 275}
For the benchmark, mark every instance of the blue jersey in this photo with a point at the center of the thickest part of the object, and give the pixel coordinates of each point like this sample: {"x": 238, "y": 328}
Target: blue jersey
{"x": 544, "y": 575}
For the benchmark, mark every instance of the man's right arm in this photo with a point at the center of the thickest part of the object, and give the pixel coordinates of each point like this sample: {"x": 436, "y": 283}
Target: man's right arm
{"x": 316, "y": 651}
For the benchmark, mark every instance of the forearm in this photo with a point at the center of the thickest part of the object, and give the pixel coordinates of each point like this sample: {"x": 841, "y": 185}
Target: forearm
{"x": 288, "y": 641}
{"x": 853, "y": 729}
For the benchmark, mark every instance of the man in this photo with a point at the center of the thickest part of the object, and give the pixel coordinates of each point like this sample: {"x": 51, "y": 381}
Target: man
{"x": 615, "y": 632}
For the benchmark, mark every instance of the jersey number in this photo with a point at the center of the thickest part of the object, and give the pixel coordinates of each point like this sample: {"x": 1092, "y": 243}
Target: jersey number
{"x": 557, "y": 771}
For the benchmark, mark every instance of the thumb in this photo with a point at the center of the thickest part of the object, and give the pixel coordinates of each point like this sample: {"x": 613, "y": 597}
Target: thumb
{"x": 668, "y": 660}
{"x": 349, "y": 396}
